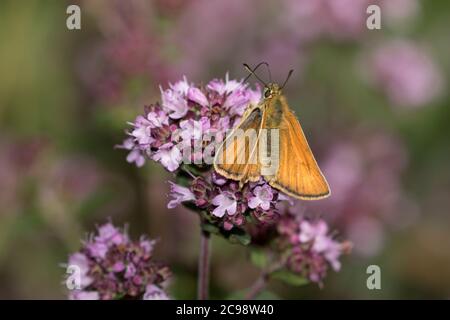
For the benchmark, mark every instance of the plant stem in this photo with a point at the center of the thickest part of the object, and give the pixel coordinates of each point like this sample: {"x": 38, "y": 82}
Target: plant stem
{"x": 203, "y": 267}
{"x": 258, "y": 286}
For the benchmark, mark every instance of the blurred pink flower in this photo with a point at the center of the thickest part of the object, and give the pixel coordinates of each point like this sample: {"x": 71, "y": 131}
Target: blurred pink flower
{"x": 364, "y": 173}
{"x": 202, "y": 36}
{"x": 399, "y": 12}
{"x": 317, "y": 234}
{"x": 180, "y": 194}
{"x": 127, "y": 48}
{"x": 406, "y": 74}
{"x": 340, "y": 19}
{"x": 19, "y": 159}
{"x": 75, "y": 177}
{"x": 308, "y": 246}
{"x": 115, "y": 267}
{"x": 368, "y": 235}
{"x": 305, "y": 20}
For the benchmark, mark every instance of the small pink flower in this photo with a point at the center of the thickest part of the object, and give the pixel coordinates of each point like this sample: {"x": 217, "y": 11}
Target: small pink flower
{"x": 196, "y": 95}
{"x": 81, "y": 261}
{"x": 181, "y": 87}
{"x": 119, "y": 266}
{"x": 174, "y": 103}
{"x": 218, "y": 179}
{"x": 222, "y": 87}
{"x": 254, "y": 96}
{"x": 191, "y": 129}
{"x": 180, "y": 194}
{"x": 263, "y": 195}
{"x": 169, "y": 156}
{"x": 142, "y": 131}
{"x": 153, "y": 292}
{"x": 135, "y": 156}
{"x": 217, "y": 86}
{"x": 109, "y": 234}
{"x": 157, "y": 118}
{"x": 97, "y": 249}
{"x": 130, "y": 271}
{"x": 147, "y": 245}
{"x": 237, "y": 102}
{"x": 311, "y": 231}
{"x": 332, "y": 253}
{"x": 84, "y": 295}
{"x": 321, "y": 242}
{"x": 127, "y": 144}
{"x": 226, "y": 204}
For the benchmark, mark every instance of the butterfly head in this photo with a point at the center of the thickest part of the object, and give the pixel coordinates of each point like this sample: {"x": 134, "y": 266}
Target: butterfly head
{"x": 272, "y": 90}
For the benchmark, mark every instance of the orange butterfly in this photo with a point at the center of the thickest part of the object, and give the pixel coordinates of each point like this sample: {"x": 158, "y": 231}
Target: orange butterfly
{"x": 270, "y": 142}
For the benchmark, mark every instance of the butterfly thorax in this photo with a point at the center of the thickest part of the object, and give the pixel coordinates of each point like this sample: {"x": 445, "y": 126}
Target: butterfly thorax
{"x": 273, "y": 107}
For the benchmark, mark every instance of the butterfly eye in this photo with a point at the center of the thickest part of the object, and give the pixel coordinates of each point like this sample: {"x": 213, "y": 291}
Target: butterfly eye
{"x": 267, "y": 93}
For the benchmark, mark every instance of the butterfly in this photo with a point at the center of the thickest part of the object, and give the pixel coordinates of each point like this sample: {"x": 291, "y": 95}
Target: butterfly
{"x": 277, "y": 150}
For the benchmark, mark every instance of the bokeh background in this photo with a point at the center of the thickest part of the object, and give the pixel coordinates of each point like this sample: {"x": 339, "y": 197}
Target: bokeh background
{"x": 374, "y": 104}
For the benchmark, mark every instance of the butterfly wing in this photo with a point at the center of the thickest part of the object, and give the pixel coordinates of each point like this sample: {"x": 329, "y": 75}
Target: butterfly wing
{"x": 298, "y": 174}
{"x": 236, "y": 158}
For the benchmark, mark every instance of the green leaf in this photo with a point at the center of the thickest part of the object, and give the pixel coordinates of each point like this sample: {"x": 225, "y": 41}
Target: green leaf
{"x": 259, "y": 258}
{"x": 290, "y": 278}
{"x": 236, "y": 235}
{"x": 242, "y": 238}
{"x": 208, "y": 227}
{"x": 183, "y": 179}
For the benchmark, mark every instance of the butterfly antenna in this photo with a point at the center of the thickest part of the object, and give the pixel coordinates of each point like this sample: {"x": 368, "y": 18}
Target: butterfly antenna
{"x": 287, "y": 78}
{"x": 252, "y": 72}
{"x": 268, "y": 69}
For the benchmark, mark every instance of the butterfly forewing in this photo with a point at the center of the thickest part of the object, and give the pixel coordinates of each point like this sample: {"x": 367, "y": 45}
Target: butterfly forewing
{"x": 236, "y": 158}
{"x": 298, "y": 174}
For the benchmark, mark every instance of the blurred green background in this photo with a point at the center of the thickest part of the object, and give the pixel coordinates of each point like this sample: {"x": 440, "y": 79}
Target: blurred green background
{"x": 374, "y": 104}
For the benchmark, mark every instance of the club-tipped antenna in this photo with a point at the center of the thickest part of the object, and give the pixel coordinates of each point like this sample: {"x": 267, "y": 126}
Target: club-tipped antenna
{"x": 252, "y": 72}
{"x": 287, "y": 78}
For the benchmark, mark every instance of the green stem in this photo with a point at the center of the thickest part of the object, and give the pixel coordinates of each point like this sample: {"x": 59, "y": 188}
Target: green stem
{"x": 258, "y": 286}
{"x": 203, "y": 266}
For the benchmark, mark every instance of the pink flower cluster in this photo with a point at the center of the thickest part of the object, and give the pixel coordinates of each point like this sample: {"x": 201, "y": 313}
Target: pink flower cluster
{"x": 187, "y": 112}
{"x": 226, "y": 202}
{"x": 114, "y": 267}
{"x": 309, "y": 247}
